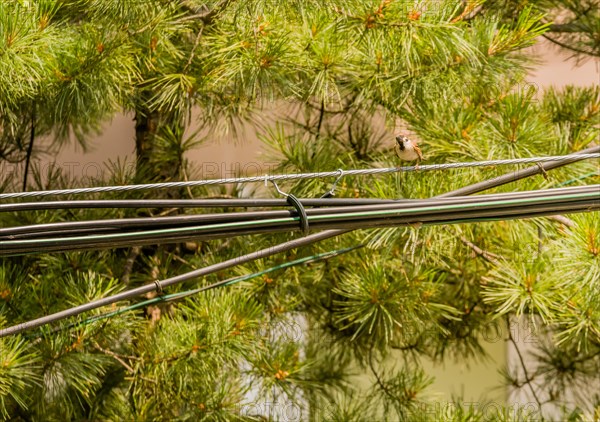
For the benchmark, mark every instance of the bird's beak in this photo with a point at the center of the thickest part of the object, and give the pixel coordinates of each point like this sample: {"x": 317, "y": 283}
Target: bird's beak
{"x": 399, "y": 139}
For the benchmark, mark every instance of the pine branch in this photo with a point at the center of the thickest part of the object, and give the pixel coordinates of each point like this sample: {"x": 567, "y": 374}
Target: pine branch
{"x": 29, "y": 148}
{"x": 471, "y": 10}
{"x": 133, "y": 254}
{"x": 569, "y": 47}
{"x": 378, "y": 379}
{"x": 167, "y": 212}
{"x": 206, "y": 16}
{"x": 569, "y": 28}
{"x": 572, "y": 27}
{"x": 562, "y": 220}
{"x": 183, "y": 261}
{"x": 193, "y": 52}
{"x": 114, "y": 355}
{"x": 528, "y": 379}
{"x": 488, "y": 256}
{"x": 588, "y": 357}
{"x": 321, "y": 115}
{"x": 120, "y": 358}
{"x": 186, "y": 178}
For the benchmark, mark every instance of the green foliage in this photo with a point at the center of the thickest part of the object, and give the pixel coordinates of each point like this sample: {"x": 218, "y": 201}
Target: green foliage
{"x": 379, "y": 304}
{"x": 522, "y": 289}
{"x": 18, "y": 373}
{"x": 27, "y": 46}
{"x": 345, "y": 73}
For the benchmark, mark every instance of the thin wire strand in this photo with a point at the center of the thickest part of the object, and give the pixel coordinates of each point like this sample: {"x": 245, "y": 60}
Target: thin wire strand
{"x": 146, "y": 288}
{"x": 299, "y": 176}
{"x": 185, "y": 203}
{"x": 578, "y": 179}
{"x": 228, "y": 282}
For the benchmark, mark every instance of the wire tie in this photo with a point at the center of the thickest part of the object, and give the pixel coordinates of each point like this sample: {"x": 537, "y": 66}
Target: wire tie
{"x": 279, "y": 190}
{"x": 331, "y": 192}
{"x": 159, "y": 288}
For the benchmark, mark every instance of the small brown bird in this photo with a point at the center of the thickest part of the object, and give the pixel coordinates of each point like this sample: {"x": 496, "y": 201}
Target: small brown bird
{"x": 408, "y": 150}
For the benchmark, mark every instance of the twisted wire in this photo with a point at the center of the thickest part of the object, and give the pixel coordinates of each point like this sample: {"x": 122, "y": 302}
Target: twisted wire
{"x": 299, "y": 176}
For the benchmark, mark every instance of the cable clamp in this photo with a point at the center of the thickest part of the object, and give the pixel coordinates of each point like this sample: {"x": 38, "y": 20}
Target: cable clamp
{"x": 331, "y": 192}
{"x": 295, "y": 202}
{"x": 159, "y": 288}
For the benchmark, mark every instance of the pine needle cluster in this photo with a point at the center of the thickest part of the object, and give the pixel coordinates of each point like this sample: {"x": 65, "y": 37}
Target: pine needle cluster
{"x": 284, "y": 346}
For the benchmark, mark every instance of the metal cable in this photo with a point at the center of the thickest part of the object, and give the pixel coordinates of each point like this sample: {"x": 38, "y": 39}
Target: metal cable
{"x": 184, "y": 203}
{"x": 351, "y": 224}
{"x": 313, "y": 238}
{"x": 222, "y": 283}
{"x": 582, "y": 198}
{"x": 62, "y": 229}
{"x": 520, "y": 174}
{"x": 297, "y": 176}
{"x": 263, "y": 253}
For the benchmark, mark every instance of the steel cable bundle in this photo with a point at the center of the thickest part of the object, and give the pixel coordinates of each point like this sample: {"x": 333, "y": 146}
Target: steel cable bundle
{"x": 148, "y": 230}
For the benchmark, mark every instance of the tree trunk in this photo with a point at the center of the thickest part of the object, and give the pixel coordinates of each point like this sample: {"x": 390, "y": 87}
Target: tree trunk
{"x": 146, "y": 126}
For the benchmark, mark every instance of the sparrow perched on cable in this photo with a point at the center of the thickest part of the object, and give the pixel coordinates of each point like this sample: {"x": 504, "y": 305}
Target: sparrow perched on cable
{"x": 408, "y": 150}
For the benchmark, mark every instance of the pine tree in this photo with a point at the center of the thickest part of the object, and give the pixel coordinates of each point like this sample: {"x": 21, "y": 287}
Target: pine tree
{"x": 450, "y": 72}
